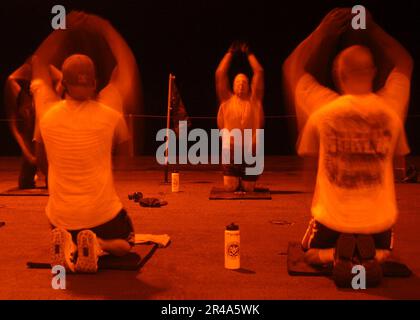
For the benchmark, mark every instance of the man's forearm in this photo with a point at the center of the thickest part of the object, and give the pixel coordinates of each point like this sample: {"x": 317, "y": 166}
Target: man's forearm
{"x": 257, "y": 78}
{"x": 254, "y": 63}
{"x": 53, "y": 46}
{"x": 40, "y": 71}
{"x": 21, "y": 142}
{"x": 222, "y": 79}
{"x": 12, "y": 91}
{"x": 41, "y": 157}
{"x": 119, "y": 48}
{"x": 298, "y": 61}
{"x": 224, "y": 64}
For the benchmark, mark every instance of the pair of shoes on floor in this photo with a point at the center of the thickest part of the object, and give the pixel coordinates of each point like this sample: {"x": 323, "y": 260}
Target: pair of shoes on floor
{"x": 152, "y": 202}
{"x": 354, "y": 250}
{"x": 63, "y": 251}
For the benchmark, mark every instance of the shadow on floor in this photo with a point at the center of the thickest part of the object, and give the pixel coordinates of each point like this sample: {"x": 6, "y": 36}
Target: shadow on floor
{"x": 398, "y": 289}
{"x": 245, "y": 271}
{"x": 394, "y": 288}
{"x": 285, "y": 192}
{"x": 114, "y": 285}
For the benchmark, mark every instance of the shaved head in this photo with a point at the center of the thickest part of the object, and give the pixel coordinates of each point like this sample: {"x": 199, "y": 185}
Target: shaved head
{"x": 354, "y": 70}
{"x": 241, "y": 85}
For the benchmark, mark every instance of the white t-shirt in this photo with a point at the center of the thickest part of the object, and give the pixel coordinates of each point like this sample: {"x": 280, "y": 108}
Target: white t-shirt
{"x": 240, "y": 114}
{"x": 357, "y": 137}
{"x": 78, "y": 138}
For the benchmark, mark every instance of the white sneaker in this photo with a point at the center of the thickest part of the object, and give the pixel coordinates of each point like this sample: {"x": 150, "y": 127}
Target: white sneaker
{"x": 88, "y": 249}
{"x": 63, "y": 249}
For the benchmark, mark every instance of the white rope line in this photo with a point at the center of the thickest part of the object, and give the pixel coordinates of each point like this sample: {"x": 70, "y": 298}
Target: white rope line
{"x": 151, "y": 116}
{"x": 202, "y": 117}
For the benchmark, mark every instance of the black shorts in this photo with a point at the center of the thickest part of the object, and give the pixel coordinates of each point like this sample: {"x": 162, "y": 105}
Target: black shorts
{"x": 321, "y": 237}
{"x": 121, "y": 227}
{"x": 238, "y": 170}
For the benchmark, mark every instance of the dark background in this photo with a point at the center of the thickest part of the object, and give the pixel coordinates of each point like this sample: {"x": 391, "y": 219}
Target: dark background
{"x": 188, "y": 38}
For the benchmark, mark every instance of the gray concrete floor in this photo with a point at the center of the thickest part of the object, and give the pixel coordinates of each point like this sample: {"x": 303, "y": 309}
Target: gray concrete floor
{"x": 192, "y": 266}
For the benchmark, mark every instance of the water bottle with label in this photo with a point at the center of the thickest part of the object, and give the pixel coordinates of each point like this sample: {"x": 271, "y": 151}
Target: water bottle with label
{"x": 175, "y": 181}
{"x": 232, "y": 243}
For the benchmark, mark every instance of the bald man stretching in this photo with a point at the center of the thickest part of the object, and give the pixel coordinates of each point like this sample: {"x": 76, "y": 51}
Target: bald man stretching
{"x": 241, "y": 109}
{"x": 356, "y": 133}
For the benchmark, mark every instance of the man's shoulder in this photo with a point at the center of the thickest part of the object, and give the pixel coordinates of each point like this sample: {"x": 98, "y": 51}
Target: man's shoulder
{"x": 102, "y": 111}
{"x": 106, "y": 109}
{"x": 333, "y": 106}
{"x": 377, "y": 104}
{"x": 256, "y": 101}
{"x": 347, "y": 105}
{"x": 227, "y": 102}
{"x": 54, "y": 111}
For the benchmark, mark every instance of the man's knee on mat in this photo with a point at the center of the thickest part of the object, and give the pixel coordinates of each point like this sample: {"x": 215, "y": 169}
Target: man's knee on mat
{"x": 231, "y": 183}
{"x": 319, "y": 256}
{"x": 116, "y": 247}
{"x": 248, "y": 186}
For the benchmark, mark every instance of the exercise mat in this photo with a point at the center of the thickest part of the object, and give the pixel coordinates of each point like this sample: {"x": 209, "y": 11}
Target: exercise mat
{"x": 296, "y": 265}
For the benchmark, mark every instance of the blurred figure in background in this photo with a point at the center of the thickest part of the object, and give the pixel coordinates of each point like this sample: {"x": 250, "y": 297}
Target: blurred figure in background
{"x": 20, "y": 110}
{"x": 241, "y": 109}
{"x": 356, "y": 132}
{"x": 81, "y": 36}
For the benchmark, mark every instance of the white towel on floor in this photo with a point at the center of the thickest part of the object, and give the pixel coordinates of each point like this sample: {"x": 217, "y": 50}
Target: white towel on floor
{"x": 162, "y": 240}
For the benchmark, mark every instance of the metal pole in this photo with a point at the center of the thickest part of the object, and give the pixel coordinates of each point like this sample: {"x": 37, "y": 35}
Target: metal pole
{"x": 168, "y": 125}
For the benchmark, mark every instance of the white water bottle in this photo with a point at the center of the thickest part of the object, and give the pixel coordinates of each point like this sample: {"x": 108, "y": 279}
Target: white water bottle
{"x": 232, "y": 245}
{"x": 175, "y": 181}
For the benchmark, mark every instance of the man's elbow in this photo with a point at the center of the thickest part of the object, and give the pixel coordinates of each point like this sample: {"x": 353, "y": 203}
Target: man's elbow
{"x": 11, "y": 86}
{"x": 404, "y": 64}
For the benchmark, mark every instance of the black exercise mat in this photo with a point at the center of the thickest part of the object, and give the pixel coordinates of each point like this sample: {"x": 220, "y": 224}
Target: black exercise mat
{"x": 130, "y": 262}
{"x": 16, "y": 192}
{"x": 296, "y": 265}
{"x": 217, "y": 193}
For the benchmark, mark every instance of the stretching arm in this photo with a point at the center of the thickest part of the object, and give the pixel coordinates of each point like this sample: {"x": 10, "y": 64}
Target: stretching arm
{"x": 396, "y": 90}
{"x": 257, "y": 84}
{"x": 331, "y": 27}
{"x": 125, "y": 70}
{"x": 391, "y": 48}
{"x": 222, "y": 79}
{"x": 11, "y": 94}
{"x": 42, "y": 86}
{"x": 303, "y": 91}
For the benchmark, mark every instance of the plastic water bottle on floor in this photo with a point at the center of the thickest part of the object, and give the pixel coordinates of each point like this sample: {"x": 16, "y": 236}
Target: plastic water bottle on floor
{"x": 232, "y": 245}
{"x": 175, "y": 181}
